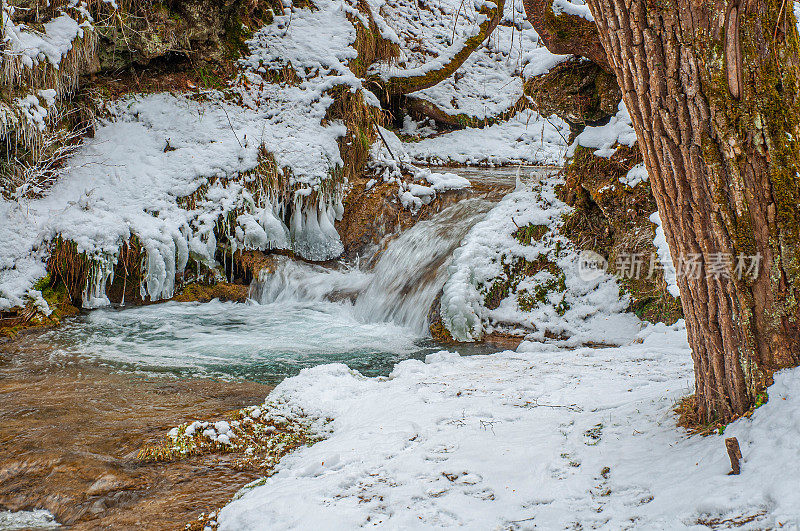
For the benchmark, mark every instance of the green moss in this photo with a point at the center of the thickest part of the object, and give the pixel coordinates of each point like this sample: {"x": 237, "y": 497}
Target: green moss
{"x": 761, "y": 399}
{"x": 208, "y": 78}
{"x": 517, "y": 269}
{"x": 530, "y": 233}
{"x": 236, "y": 36}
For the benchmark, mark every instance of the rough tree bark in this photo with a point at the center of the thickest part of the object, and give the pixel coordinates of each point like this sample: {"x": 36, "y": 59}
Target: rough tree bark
{"x": 565, "y": 33}
{"x": 713, "y": 91}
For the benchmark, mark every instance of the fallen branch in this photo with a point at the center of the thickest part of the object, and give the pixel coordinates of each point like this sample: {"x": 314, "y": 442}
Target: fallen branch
{"x": 407, "y": 81}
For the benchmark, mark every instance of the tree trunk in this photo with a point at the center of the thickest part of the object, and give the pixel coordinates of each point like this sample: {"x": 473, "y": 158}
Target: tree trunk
{"x": 712, "y": 89}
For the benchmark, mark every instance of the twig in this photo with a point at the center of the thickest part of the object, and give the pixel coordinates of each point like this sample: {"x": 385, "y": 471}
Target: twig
{"x": 231, "y": 125}
{"x": 378, "y": 129}
{"x": 535, "y": 403}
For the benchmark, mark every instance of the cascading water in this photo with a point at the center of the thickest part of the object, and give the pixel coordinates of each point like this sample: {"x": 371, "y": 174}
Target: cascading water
{"x": 404, "y": 283}
{"x": 412, "y": 270}
{"x": 302, "y": 315}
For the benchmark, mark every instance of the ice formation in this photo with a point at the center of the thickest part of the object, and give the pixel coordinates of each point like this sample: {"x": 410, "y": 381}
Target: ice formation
{"x": 151, "y": 151}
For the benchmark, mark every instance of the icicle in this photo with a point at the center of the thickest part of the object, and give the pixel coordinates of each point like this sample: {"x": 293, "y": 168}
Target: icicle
{"x": 327, "y": 215}
{"x": 101, "y": 271}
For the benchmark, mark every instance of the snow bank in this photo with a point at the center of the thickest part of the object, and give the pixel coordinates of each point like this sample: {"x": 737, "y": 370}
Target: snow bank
{"x": 390, "y": 160}
{"x": 558, "y": 299}
{"x": 527, "y": 138}
{"x": 542, "y": 437}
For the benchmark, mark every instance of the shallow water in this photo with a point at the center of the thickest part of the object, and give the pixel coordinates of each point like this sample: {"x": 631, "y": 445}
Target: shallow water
{"x": 306, "y": 315}
{"x": 70, "y": 432}
{"x": 257, "y": 342}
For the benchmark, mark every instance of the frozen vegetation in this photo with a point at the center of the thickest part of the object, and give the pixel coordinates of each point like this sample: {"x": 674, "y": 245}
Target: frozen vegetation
{"x": 551, "y": 296}
{"x": 150, "y": 151}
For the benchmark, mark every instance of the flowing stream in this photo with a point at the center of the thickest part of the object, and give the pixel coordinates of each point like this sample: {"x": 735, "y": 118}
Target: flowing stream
{"x": 300, "y": 316}
{"x": 80, "y": 400}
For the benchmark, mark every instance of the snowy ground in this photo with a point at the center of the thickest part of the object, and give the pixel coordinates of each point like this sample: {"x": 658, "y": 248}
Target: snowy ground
{"x": 538, "y": 438}
{"x": 527, "y": 138}
{"x": 38, "y": 519}
{"x": 491, "y": 79}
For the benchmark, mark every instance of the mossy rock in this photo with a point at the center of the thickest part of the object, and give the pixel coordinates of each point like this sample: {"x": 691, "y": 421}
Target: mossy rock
{"x": 55, "y": 293}
{"x": 577, "y": 91}
{"x": 613, "y": 219}
{"x": 224, "y": 291}
{"x": 515, "y": 270}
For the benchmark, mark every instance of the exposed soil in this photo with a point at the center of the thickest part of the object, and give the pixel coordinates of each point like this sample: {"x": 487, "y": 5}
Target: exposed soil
{"x": 70, "y": 432}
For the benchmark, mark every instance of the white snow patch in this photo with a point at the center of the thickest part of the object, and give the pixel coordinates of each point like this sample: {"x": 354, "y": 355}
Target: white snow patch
{"x": 36, "y": 519}
{"x": 573, "y": 7}
{"x": 635, "y": 175}
{"x": 665, "y": 256}
{"x": 527, "y": 138}
{"x": 619, "y": 130}
{"x": 35, "y": 47}
{"x": 541, "y": 437}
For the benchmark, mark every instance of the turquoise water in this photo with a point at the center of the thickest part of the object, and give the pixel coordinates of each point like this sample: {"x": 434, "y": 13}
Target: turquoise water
{"x": 307, "y": 315}
{"x": 257, "y": 342}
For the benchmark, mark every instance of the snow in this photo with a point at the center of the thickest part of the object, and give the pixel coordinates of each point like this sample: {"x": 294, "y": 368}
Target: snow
{"x": 151, "y": 150}
{"x": 445, "y": 181}
{"x": 582, "y": 309}
{"x": 576, "y": 7}
{"x": 542, "y": 437}
{"x": 665, "y": 256}
{"x": 35, "y": 47}
{"x": 421, "y": 129}
{"x": 312, "y": 42}
{"x": 443, "y": 29}
{"x": 526, "y": 138}
{"x": 603, "y": 139}
{"x": 491, "y": 80}
{"x": 635, "y": 175}
{"x": 797, "y": 14}
{"x": 390, "y": 158}
{"x": 37, "y": 519}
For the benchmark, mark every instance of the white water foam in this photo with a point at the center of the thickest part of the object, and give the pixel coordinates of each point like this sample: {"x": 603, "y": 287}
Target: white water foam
{"x": 301, "y": 315}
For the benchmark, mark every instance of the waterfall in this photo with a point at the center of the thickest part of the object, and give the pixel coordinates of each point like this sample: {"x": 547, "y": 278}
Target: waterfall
{"x": 411, "y": 271}
{"x": 404, "y": 282}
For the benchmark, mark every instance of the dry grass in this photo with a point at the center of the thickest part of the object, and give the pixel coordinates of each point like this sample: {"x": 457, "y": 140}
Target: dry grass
{"x": 33, "y": 153}
{"x": 370, "y": 45}
{"x": 69, "y": 266}
{"x": 259, "y": 443}
{"x": 361, "y": 121}
{"x": 693, "y": 418}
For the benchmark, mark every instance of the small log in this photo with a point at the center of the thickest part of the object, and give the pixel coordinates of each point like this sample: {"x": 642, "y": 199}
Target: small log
{"x": 735, "y": 453}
